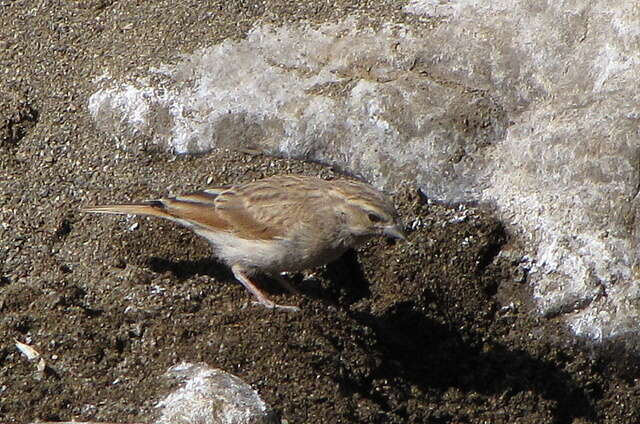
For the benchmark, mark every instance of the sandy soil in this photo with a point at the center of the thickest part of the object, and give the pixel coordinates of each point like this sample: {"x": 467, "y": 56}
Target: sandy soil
{"x": 436, "y": 331}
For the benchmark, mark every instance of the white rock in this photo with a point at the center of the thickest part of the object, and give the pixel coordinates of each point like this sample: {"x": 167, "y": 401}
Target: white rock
{"x": 529, "y": 106}
{"x": 212, "y": 396}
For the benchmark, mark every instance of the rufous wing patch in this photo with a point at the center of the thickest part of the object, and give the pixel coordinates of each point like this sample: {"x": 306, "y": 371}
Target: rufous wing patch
{"x": 245, "y": 219}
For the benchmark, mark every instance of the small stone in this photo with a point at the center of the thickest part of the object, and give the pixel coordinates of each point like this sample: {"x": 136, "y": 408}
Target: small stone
{"x": 212, "y": 396}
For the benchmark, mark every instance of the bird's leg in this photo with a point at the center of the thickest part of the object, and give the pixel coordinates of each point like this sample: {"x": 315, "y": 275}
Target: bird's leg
{"x": 262, "y": 298}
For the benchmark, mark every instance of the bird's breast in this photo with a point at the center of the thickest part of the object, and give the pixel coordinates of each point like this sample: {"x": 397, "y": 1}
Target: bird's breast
{"x": 275, "y": 255}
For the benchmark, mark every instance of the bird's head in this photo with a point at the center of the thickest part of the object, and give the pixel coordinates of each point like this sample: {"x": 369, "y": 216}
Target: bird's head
{"x": 366, "y": 212}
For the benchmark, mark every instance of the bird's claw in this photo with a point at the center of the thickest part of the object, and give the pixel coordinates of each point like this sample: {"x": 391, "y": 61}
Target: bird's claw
{"x": 272, "y": 305}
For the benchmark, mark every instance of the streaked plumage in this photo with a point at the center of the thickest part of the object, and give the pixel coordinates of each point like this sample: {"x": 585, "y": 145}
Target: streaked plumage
{"x": 277, "y": 224}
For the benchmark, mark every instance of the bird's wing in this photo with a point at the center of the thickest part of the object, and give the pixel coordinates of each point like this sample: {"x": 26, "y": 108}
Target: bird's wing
{"x": 252, "y": 211}
{"x": 258, "y": 210}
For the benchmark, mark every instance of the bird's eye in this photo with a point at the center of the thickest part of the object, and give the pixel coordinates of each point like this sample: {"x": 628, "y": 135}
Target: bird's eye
{"x": 375, "y": 218}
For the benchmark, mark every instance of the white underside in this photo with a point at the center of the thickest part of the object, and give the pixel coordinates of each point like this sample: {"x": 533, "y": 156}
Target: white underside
{"x": 268, "y": 256}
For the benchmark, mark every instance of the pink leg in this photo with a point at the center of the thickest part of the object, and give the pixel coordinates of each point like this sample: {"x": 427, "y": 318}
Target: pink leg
{"x": 262, "y": 298}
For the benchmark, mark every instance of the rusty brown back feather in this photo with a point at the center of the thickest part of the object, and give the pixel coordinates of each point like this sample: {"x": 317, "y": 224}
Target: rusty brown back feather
{"x": 266, "y": 209}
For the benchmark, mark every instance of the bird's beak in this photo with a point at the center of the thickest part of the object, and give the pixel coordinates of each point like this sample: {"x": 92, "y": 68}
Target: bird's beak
{"x": 394, "y": 232}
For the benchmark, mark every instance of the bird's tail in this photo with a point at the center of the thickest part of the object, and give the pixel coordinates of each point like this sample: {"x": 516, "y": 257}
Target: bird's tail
{"x": 149, "y": 208}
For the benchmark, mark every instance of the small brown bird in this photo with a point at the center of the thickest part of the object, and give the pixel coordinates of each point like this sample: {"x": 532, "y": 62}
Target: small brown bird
{"x": 279, "y": 224}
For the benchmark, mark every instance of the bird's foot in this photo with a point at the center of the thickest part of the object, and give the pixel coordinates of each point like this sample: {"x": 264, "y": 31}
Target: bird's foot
{"x": 272, "y": 305}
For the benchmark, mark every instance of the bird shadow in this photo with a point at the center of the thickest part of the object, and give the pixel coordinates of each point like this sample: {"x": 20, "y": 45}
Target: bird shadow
{"x": 346, "y": 280}
{"x": 432, "y": 355}
{"x": 429, "y": 354}
{"x": 185, "y": 269}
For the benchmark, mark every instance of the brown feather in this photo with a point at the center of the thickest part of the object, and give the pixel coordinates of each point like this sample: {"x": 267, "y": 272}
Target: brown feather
{"x": 259, "y": 210}
{"x": 248, "y": 220}
{"x": 198, "y": 214}
{"x": 265, "y": 209}
{"x": 145, "y": 208}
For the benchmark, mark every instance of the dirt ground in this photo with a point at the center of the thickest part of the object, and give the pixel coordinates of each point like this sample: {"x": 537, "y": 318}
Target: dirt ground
{"x": 439, "y": 330}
